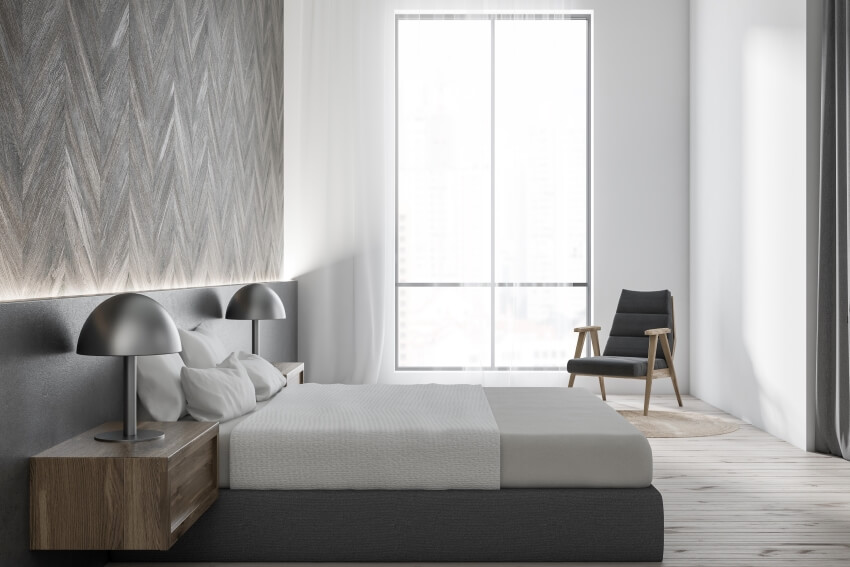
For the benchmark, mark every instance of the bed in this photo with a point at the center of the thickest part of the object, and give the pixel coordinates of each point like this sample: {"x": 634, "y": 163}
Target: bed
{"x": 572, "y": 481}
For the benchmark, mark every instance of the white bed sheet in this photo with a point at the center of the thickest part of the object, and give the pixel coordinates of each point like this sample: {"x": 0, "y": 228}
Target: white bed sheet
{"x": 549, "y": 438}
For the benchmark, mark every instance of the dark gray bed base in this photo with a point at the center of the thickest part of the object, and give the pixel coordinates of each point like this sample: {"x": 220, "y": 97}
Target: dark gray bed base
{"x": 570, "y": 524}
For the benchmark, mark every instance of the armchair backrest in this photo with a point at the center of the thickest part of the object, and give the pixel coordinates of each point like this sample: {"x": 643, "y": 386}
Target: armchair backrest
{"x": 639, "y": 311}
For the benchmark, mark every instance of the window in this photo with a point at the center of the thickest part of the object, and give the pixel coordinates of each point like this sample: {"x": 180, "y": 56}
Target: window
{"x": 492, "y": 190}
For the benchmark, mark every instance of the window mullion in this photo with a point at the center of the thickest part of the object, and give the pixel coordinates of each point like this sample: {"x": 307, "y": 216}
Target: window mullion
{"x": 492, "y": 191}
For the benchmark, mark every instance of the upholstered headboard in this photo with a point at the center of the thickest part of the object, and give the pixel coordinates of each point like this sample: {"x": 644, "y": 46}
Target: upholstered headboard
{"x": 48, "y": 393}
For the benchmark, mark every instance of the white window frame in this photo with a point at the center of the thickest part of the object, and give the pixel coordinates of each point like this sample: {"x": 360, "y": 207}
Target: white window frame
{"x": 493, "y": 284}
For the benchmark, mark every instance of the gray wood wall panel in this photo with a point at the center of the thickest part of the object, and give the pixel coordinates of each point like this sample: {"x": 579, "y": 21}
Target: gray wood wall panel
{"x": 141, "y": 145}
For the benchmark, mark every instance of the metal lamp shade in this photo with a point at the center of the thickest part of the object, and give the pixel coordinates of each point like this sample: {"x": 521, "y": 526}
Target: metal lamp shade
{"x": 255, "y": 302}
{"x": 129, "y": 325}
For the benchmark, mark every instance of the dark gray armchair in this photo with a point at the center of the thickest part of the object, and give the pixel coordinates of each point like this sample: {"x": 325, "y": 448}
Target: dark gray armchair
{"x": 640, "y": 346}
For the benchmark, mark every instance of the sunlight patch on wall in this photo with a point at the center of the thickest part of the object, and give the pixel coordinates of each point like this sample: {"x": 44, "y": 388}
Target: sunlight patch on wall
{"x": 773, "y": 228}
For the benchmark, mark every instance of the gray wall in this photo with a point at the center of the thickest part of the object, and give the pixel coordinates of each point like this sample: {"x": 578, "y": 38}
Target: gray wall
{"x": 641, "y": 165}
{"x": 141, "y": 145}
{"x": 48, "y": 393}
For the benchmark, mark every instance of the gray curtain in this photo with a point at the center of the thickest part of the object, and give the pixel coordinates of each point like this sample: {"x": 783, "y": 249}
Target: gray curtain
{"x": 832, "y": 382}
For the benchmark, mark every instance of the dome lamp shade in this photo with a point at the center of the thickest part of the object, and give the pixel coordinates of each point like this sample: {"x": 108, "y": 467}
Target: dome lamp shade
{"x": 129, "y": 325}
{"x": 255, "y": 302}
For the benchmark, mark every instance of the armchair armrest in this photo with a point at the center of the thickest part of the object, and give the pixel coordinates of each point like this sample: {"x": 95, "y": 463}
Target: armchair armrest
{"x": 662, "y": 331}
{"x": 594, "y": 339}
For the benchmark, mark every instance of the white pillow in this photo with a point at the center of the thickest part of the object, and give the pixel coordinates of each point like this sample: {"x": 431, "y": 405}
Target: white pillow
{"x": 218, "y": 394}
{"x": 266, "y": 378}
{"x": 200, "y": 349}
{"x": 159, "y": 386}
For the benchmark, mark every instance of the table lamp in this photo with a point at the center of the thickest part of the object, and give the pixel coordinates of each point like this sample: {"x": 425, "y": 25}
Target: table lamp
{"x": 255, "y": 301}
{"x": 129, "y": 325}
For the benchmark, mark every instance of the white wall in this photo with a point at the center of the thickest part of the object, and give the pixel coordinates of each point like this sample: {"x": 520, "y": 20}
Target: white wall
{"x": 642, "y": 164}
{"x": 640, "y": 231}
{"x": 748, "y": 249}
{"x": 814, "y": 39}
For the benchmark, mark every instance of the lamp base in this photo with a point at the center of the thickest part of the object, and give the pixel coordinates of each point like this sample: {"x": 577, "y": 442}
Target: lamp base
{"x": 119, "y": 437}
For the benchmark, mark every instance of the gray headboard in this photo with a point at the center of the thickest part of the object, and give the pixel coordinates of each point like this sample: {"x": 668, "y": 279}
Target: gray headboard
{"x": 48, "y": 393}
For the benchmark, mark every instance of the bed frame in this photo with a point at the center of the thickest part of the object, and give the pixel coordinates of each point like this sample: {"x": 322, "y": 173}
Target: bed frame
{"x": 527, "y": 525}
{"x": 50, "y": 394}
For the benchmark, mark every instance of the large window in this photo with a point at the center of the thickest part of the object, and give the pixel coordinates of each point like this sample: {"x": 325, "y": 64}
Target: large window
{"x": 492, "y": 190}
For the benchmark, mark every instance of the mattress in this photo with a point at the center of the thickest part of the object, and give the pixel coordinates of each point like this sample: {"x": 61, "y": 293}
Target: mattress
{"x": 548, "y": 437}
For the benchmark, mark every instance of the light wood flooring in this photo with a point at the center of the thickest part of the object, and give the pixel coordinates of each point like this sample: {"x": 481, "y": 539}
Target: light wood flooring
{"x": 744, "y": 498}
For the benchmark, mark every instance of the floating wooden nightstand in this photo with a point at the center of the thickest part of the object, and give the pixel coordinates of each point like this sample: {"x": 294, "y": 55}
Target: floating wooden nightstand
{"x": 294, "y": 371}
{"x": 86, "y": 494}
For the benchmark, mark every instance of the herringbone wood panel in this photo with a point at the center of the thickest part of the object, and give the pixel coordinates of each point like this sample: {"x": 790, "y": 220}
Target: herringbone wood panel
{"x": 141, "y": 145}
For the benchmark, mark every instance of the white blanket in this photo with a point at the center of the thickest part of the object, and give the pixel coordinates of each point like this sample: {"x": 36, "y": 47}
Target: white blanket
{"x": 336, "y": 436}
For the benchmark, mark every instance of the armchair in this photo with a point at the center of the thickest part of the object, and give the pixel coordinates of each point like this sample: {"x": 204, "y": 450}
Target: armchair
{"x": 639, "y": 345}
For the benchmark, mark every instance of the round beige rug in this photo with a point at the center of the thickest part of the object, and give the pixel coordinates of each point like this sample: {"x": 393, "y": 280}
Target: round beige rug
{"x": 678, "y": 424}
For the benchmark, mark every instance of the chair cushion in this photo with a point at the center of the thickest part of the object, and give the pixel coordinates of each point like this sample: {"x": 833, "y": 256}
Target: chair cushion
{"x": 612, "y": 365}
{"x": 637, "y": 312}
{"x": 644, "y": 301}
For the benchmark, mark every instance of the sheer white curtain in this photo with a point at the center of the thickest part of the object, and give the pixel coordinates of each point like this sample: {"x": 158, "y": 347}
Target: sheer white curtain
{"x": 338, "y": 184}
{"x": 340, "y": 190}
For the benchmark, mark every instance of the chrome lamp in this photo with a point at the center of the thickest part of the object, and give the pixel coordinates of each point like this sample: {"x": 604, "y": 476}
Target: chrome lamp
{"x": 129, "y": 325}
{"x": 255, "y": 302}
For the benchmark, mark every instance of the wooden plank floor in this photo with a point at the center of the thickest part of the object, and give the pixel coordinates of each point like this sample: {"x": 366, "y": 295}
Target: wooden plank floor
{"x": 745, "y": 498}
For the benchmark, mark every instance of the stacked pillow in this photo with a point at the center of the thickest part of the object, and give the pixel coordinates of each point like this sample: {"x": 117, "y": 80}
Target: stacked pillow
{"x": 159, "y": 386}
{"x": 266, "y": 378}
{"x": 201, "y": 349}
{"x": 204, "y": 381}
{"x": 220, "y": 393}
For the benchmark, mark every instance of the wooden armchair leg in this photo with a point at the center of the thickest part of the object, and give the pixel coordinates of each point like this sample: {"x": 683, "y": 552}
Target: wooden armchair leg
{"x": 676, "y": 387}
{"x": 650, "y": 370}
{"x": 665, "y": 347}
{"x": 579, "y": 348}
{"x": 594, "y": 342}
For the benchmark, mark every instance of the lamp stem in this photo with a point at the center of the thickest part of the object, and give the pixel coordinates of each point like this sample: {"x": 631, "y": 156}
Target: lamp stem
{"x": 130, "y": 434}
{"x": 255, "y": 336}
{"x": 129, "y": 396}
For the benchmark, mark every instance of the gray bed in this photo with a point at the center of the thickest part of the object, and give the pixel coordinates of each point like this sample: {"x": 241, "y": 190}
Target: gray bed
{"x": 575, "y": 486}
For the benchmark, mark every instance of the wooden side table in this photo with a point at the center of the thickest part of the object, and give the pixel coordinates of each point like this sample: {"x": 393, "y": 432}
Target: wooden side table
{"x": 86, "y": 494}
{"x": 294, "y": 371}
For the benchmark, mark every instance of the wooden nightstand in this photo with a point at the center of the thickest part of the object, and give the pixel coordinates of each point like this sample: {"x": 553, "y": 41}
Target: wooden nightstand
{"x": 87, "y": 494}
{"x": 294, "y": 371}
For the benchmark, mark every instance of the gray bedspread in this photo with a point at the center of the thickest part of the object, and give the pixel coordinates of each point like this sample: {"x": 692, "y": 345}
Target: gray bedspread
{"x": 566, "y": 437}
